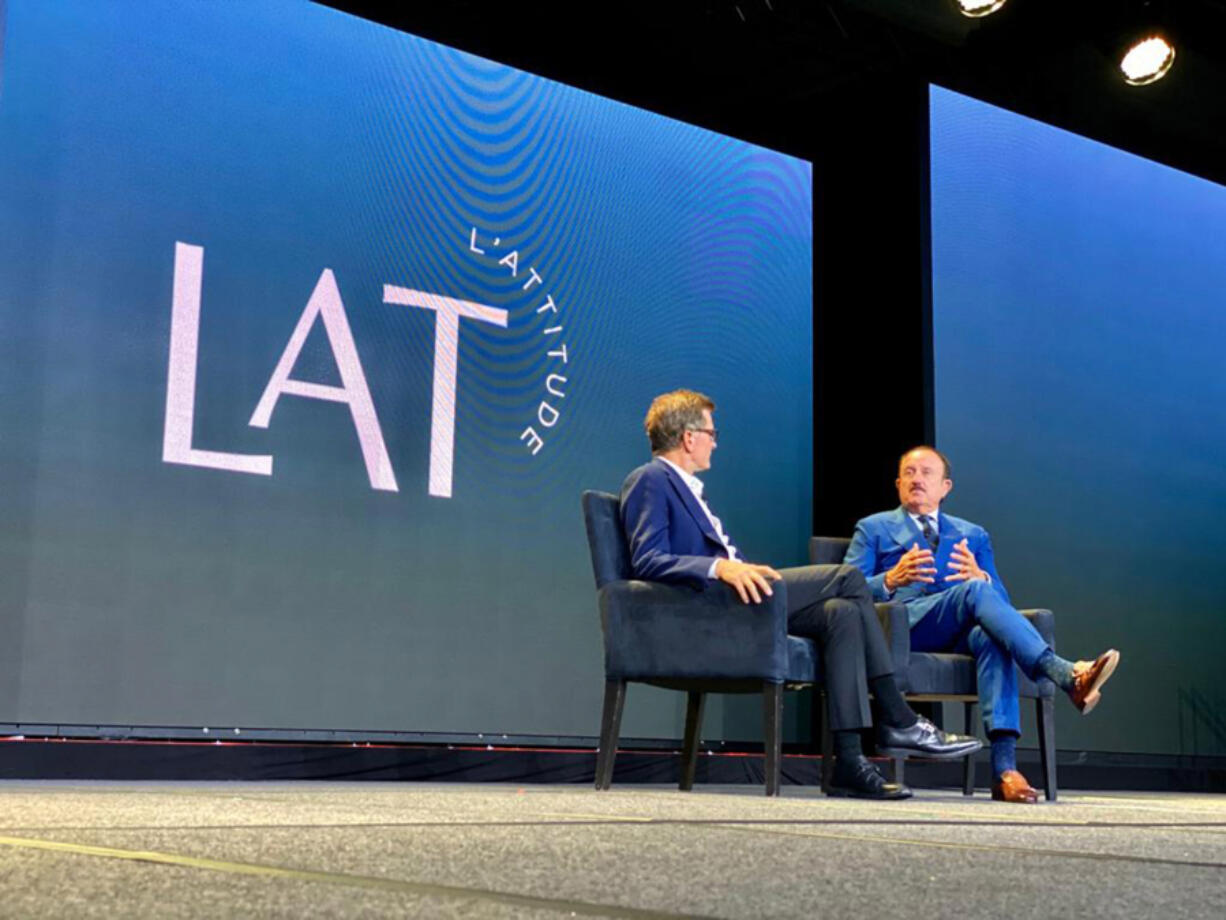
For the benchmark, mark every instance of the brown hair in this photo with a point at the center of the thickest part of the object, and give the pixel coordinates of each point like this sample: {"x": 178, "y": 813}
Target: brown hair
{"x": 949, "y": 470}
{"x": 671, "y": 415}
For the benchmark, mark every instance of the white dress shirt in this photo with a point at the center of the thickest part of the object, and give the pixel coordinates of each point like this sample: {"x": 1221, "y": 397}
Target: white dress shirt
{"x": 695, "y": 486}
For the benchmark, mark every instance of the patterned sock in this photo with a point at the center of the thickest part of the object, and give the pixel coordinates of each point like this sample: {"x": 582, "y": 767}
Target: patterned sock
{"x": 1004, "y": 752}
{"x": 894, "y": 709}
{"x": 1056, "y": 669}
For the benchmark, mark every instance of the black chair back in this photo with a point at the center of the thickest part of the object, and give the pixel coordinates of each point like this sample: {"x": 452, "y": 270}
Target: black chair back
{"x": 605, "y": 537}
{"x": 828, "y": 550}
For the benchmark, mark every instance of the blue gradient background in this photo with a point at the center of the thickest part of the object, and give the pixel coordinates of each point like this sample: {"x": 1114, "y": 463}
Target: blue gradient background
{"x": 285, "y": 139}
{"x": 1079, "y": 336}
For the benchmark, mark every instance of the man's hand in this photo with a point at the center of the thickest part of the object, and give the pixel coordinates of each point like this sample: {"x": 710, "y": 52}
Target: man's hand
{"x": 750, "y": 581}
{"x": 962, "y": 561}
{"x": 916, "y": 565}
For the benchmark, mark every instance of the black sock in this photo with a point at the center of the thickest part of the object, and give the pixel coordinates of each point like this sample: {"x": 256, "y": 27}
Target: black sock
{"x": 847, "y": 744}
{"x": 894, "y": 709}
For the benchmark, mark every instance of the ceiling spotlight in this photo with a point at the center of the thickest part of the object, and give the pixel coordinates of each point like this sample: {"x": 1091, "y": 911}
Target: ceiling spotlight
{"x": 1147, "y": 60}
{"x": 977, "y": 8}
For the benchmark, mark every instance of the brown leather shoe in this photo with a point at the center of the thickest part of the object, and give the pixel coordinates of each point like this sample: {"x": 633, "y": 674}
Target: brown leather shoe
{"x": 1088, "y": 681}
{"x": 1012, "y": 787}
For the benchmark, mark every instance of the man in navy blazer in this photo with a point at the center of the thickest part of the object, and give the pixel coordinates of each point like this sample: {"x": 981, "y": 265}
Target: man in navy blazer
{"x": 943, "y": 569}
{"x": 674, "y": 537}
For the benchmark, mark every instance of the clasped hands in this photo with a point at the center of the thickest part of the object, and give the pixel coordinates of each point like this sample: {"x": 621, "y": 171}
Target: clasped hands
{"x": 749, "y": 580}
{"x": 919, "y": 566}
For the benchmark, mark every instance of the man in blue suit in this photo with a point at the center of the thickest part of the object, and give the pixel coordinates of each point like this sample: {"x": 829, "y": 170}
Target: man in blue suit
{"x": 942, "y": 568}
{"x": 675, "y": 537}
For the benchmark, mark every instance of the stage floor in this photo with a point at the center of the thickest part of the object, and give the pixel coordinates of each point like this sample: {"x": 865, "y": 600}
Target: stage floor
{"x": 79, "y": 849}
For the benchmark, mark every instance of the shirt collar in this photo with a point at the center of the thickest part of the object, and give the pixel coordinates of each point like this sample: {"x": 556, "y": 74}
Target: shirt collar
{"x": 935, "y": 515}
{"x": 689, "y": 479}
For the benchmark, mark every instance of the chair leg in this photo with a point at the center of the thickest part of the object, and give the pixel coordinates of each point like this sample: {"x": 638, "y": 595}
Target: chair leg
{"x": 1045, "y": 712}
{"x": 772, "y": 710}
{"x": 968, "y": 765}
{"x": 610, "y": 728}
{"x": 898, "y": 773}
{"x": 823, "y": 706}
{"x": 693, "y": 728}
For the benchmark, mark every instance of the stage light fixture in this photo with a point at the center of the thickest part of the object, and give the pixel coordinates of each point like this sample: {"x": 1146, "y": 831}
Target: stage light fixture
{"x": 978, "y": 8}
{"x": 1147, "y": 59}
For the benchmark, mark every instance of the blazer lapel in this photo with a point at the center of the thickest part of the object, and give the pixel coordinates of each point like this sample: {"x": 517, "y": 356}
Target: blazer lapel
{"x": 903, "y": 530}
{"x": 691, "y": 504}
{"x": 905, "y": 534}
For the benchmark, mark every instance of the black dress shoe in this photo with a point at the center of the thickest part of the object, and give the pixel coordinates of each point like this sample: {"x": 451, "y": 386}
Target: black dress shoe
{"x": 926, "y": 740}
{"x": 859, "y": 778}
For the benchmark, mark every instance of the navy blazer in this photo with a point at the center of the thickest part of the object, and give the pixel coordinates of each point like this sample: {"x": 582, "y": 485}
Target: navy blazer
{"x": 881, "y": 539}
{"x": 671, "y": 538}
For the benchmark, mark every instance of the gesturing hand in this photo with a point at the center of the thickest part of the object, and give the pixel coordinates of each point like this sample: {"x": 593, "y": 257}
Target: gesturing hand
{"x": 963, "y": 562}
{"x": 749, "y": 580}
{"x": 916, "y": 565}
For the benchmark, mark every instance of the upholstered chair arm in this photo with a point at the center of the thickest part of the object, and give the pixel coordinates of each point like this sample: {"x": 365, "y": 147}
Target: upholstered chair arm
{"x": 658, "y": 630}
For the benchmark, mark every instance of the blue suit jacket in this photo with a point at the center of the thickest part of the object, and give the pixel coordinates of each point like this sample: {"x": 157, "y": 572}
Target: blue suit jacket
{"x": 671, "y": 538}
{"x": 881, "y": 539}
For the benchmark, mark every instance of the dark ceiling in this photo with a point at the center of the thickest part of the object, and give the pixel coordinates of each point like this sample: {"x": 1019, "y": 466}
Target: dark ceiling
{"x": 763, "y": 69}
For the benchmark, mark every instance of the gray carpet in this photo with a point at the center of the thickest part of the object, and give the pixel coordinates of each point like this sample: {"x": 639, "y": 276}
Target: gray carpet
{"x": 376, "y": 849}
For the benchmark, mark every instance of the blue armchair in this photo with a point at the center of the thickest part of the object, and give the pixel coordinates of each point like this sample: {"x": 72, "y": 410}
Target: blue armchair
{"x": 697, "y": 641}
{"x": 941, "y": 677}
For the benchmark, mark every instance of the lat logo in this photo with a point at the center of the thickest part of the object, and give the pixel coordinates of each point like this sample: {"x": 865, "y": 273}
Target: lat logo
{"x": 325, "y": 305}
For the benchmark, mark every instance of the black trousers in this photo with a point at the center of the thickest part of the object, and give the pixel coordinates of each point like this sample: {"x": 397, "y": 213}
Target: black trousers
{"x": 833, "y": 605}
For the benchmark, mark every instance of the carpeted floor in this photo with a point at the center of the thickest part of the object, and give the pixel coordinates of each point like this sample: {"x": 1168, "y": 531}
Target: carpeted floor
{"x": 382, "y": 849}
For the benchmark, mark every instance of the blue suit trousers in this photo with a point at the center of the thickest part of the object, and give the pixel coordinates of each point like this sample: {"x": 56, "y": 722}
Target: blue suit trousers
{"x": 974, "y": 618}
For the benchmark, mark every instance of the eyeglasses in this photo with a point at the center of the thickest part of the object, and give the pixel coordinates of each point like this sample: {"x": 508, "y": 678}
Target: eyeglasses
{"x": 712, "y": 433}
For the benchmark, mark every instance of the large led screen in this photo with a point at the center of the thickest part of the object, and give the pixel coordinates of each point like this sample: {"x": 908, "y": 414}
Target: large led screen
{"x": 1079, "y": 338}
{"x": 311, "y": 334}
